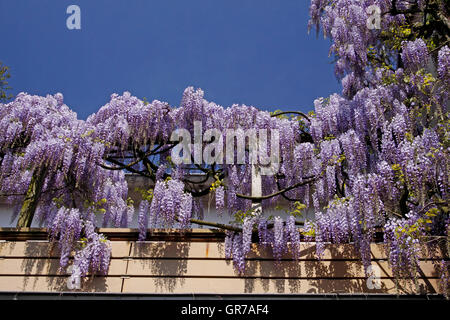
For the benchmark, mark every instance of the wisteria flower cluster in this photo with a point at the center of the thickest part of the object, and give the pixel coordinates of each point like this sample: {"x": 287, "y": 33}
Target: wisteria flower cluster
{"x": 170, "y": 204}
{"x": 375, "y": 157}
{"x": 280, "y": 236}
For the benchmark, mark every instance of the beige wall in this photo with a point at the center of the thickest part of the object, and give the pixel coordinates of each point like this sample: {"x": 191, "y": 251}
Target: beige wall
{"x": 200, "y": 267}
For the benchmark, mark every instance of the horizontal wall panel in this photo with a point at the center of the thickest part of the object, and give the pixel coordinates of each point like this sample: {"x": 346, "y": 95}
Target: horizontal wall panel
{"x": 260, "y": 286}
{"x": 36, "y": 249}
{"x": 202, "y": 250}
{"x": 215, "y": 268}
{"x": 191, "y": 250}
{"x": 58, "y": 284}
{"x": 265, "y": 269}
{"x": 214, "y": 285}
{"x": 29, "y": 249}
{"x": 49, "y": 267}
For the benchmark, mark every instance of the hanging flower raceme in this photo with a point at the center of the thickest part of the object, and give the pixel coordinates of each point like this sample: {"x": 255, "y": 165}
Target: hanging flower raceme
{"x": 238, "y": 253}
{"x": 401, "y": 240}
{"x": 294, "y": 236}
{"x": 265, "y": 235}
{"x": 281, "y": 237}
{"x": 444, "y": 64}
{"x": 66, "y": 228}
{"x": 170, "y": 204}
{"x": 247, "y": 231}
{"x": 228, "y": 244}
{"x": 415, "y": 54}
{"x": 279, "y": 242}
{"x": 144, "y": 209}
{"x": 95, "y": 253}
{"x": 220, "y": 197}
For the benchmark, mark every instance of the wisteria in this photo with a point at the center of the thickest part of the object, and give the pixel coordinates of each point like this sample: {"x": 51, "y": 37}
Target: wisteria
{"x": 374, "y": 158}
{"x": 279, "y": 242}
{"x": 294, "y": 236}
{"x": 67, "y": 225}
{"x": 220, "y": 197}
{"x": 170, "y": 204}
{"x": 238, "y": 253}
{"x": 392, "y": 166}
{"x": 444, "y": 65}
{"x": 401, "y": 237}
{"x": 95, "y": 253}
{"x": 414, "y": 54}
{"x": 143, "y": 219}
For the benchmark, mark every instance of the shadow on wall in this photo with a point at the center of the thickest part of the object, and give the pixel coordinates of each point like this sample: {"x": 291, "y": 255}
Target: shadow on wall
{"x": 176, "y": 267}
{"x": 305, "y": 275}
{"x": 162, "y": 264}
{"x": 41, "y": 263}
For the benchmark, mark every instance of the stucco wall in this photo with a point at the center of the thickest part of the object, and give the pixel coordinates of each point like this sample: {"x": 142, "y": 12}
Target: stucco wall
{"x": 199, "y": 266}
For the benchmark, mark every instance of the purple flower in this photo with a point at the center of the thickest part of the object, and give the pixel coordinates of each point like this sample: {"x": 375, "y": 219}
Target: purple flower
{"x": 414, "y": 54}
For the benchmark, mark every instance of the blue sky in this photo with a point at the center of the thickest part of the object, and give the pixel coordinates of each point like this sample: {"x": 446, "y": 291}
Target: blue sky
{"x": 256, "y": 52}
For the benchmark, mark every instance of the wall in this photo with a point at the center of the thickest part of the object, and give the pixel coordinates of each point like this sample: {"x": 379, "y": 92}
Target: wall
{"x": 194, "y": 263}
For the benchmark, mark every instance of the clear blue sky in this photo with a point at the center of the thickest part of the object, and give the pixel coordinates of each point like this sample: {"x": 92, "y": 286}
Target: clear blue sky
{"x": 256, "y": 52}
